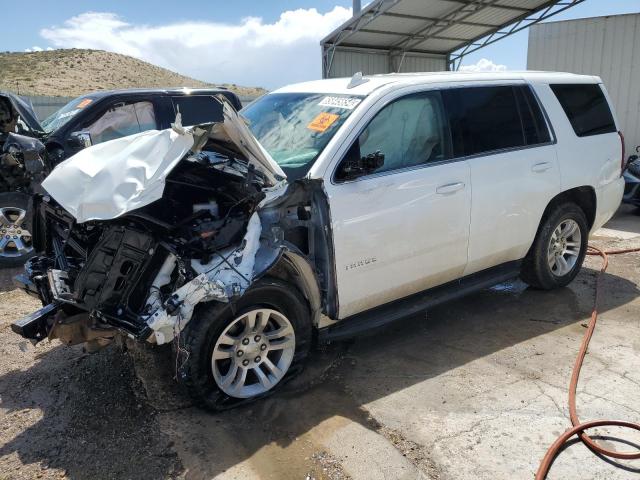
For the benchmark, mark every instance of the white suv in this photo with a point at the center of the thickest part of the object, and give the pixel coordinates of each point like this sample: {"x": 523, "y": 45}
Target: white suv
{"x": 345, "y": 205}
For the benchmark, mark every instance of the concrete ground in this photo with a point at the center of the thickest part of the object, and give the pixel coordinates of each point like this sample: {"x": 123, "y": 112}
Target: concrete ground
{"x": 475, "y": 389}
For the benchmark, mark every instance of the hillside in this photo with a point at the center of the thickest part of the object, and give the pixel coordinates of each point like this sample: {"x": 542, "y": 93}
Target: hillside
{"x": 72, "y": 72}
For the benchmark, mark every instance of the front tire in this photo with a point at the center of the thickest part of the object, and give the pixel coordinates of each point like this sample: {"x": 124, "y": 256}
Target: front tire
{"x": 558, "y": 251}
{"x": 16, "y": 244}
{"x": 232, "y": 354}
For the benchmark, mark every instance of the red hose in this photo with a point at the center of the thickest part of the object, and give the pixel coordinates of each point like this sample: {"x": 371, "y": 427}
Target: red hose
{"x": 579, "y": 428}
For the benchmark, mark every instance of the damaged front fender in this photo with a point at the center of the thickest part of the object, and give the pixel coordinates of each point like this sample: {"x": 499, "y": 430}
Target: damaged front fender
{"x": 226, "y": 276}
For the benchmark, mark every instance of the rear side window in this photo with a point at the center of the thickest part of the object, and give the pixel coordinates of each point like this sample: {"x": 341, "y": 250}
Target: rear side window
{"x": 197, "y": 109}
{"x": 483, "y": 119}
{"x": 586, "y": 108}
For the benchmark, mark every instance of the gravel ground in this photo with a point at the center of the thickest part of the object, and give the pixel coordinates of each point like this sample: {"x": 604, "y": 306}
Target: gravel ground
{"x": 477, "y": 391}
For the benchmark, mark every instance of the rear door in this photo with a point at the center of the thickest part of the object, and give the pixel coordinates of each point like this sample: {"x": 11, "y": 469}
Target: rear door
{"x": 404, "y": 227}
{"x": 502, "y": 132}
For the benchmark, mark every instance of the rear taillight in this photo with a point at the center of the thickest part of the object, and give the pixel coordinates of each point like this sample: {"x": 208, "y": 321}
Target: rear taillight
{"x": 623, "y": 161}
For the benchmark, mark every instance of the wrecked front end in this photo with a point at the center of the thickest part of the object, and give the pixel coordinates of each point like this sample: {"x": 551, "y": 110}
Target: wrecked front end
{"x": 199, "y": 228}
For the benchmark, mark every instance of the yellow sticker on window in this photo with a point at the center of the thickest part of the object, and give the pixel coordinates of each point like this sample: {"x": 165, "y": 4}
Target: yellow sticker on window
{"x": 323, "y": 121}
{"x": 84, "y": 103}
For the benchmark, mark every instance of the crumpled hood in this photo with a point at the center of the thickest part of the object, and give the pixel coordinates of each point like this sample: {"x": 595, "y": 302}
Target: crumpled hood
{"x": 112, "y": 178}
{"x": 107, "y": 180}
{"x": 25, "y": 110}
{"x": 235, "y": 130}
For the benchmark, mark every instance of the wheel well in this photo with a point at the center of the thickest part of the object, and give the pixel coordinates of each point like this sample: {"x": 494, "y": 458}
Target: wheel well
{"x": 295, "y": 270}
{"x": 584, "y": 197}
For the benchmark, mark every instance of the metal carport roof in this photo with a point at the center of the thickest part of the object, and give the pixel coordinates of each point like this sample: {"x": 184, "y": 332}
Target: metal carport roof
{"x": 453, "y": 28}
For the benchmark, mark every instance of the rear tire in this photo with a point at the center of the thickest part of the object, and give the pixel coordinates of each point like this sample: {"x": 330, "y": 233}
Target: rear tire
{"x": 558, "y": 251}
{"x": 16, "y": 244}
{"x": 275, "y": 304}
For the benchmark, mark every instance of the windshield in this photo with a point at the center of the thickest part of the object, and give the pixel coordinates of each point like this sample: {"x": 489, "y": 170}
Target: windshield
{"x": 66, "y": 113}
{"x": 295, "y": 127}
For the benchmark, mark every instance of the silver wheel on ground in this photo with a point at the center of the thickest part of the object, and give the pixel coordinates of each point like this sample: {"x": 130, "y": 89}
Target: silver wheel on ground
{"x": 15, "y": 239}
{"x": 564, "y": 247}
{"x": 253, "y": 353}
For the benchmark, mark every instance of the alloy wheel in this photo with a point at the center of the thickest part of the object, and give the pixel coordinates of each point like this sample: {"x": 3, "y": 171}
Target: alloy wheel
{"x": 253, "y": 353}
{"x": 15, "y": 239}
{"x": 564, "y": 247}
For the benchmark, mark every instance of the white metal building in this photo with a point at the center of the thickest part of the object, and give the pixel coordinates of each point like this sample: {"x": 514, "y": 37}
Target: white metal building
{"x": 605, "y": 46}
{"x": 426, "y": 35}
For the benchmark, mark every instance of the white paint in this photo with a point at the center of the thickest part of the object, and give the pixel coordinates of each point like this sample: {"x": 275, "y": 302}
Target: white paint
{"x": 419, "y": 239}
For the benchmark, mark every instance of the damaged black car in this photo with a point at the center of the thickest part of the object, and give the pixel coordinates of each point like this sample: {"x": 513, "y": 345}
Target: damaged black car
{"x": 30, "y": 150}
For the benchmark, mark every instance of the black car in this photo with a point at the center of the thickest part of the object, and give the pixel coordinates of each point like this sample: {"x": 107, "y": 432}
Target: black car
{"x": 87, "y": 120}
{"x": 632, "y": 181}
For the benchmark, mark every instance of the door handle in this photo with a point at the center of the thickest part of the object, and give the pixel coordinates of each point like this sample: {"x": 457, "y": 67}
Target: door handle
{"x": 449, "y": 188}
{"x": 541, "y": 167}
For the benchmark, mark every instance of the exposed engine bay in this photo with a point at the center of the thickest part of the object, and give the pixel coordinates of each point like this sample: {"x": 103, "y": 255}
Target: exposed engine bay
{"x": 211, "y": 218}
{"x": 22, "y": 161}
{"x": 22, "y": 157}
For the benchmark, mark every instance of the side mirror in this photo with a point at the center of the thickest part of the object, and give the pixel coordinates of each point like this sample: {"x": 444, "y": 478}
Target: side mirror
{"x": 80, "y": 139}
{"x": 363, "y": 165}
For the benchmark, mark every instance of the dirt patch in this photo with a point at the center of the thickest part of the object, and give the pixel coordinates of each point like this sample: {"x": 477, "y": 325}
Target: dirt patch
{"x": 475, "y": 391}
{"x": 64, "y": 414}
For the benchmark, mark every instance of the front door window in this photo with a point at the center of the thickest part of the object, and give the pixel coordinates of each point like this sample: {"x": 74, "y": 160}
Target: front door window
{"x": 121, "y": 120}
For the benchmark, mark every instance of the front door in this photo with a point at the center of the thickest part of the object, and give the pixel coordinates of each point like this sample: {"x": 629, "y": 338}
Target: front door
{"x": 403, "y": 227}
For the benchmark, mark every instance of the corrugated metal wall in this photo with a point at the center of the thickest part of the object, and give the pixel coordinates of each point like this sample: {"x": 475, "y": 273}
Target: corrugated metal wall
{"x": 605, "y": 46}
{"x": 347, "y": 61}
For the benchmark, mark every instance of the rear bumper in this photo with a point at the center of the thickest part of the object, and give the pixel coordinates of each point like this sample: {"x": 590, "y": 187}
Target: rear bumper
{"x": 609, "y": 198}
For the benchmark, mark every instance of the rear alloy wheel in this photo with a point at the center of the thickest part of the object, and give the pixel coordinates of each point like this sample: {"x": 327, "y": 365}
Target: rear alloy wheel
{"x": 15, "y": 237}
{"x": 564, "y": 247}
{"x": 559, "y": 248}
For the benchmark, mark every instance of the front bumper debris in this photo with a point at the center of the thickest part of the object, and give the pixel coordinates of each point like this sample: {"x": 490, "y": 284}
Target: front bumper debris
{"x": 34, "y": 326}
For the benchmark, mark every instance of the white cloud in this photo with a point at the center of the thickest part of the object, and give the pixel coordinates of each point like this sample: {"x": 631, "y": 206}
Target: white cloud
{"x": 483, "y": 65}
{"x": 251, "y": 52}
{"x": 35, "y": 48}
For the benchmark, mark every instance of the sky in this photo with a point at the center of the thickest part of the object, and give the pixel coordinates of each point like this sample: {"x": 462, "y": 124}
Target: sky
{"x": 266, "y": 43}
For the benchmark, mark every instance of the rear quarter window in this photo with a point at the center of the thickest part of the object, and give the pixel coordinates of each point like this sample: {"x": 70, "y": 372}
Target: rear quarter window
{"x": 198, "y": 109}
{"x": 586, "y": 108}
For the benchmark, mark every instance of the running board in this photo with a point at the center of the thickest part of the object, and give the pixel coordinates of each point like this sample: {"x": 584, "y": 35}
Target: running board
{"x": 419, "y": 302}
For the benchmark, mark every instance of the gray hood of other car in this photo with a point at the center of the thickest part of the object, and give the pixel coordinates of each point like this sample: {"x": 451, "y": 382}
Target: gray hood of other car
{"x": 25, "y": 110}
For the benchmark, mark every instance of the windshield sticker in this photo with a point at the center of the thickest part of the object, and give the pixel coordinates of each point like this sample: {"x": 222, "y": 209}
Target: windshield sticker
{"x": 323, "y": 121}
{"x": 84, "y": 103}
{"x": 340, "y": 102}
{"x": 69, "y": 114}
